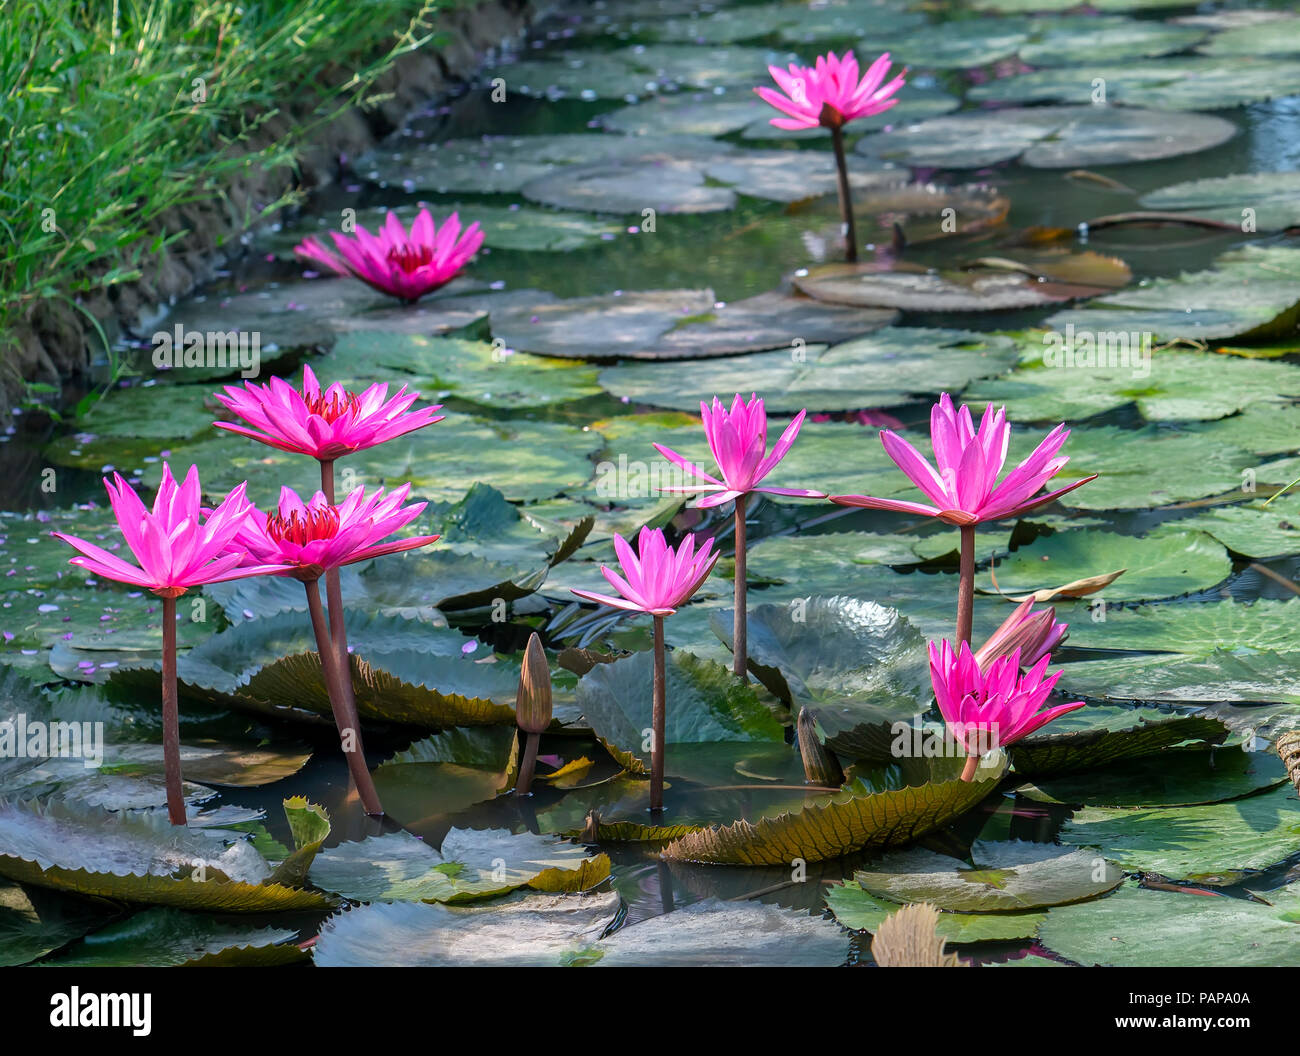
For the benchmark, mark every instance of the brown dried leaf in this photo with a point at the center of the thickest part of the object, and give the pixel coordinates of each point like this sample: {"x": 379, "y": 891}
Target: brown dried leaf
{"x": 910, "y": 939}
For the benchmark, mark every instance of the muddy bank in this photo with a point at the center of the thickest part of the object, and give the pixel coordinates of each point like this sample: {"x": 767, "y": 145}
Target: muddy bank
{"x": 56, "y": 344}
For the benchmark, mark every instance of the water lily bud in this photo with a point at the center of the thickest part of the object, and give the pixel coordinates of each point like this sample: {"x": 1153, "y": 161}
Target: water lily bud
{"x": 533, "y": 702}
{"x": 820, "y": 767}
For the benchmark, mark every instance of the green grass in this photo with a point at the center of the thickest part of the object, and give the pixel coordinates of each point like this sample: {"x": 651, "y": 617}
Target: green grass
{"x": 114, "y": 112}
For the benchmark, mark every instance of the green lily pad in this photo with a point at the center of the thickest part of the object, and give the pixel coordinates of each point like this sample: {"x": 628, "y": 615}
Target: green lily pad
{"x": 845, "y": 20}
{"x": 1170, "y": 386}
{"x": 1279, "y": 35}
{"x": 172, "y": 938}
{"x": 138, "y": 858}
{"x": 1182, "y": 84}
{"x": 1194, "y": 843}
{"x": 1098, "y": 736}
{"x": 1161, "y": 565}
{"x": 1198, "y": 630}
{"x": 706, "y": 704}
{"x": 1079, "y": 39}
{"x": 1256, "y": 530}
{"x": 861, "y": 667}
{"x": 794, "y": 175}
{"x": 1222, "y": 675}
{"x": 715, "y": 933}
{"x": 146, "y": 411}
{"x": 957, "y": 45}
{"x": 688, "y": 65}
{"x": 1011, "y": 6}
{"x": 855, "y": 908}
{"x": 34, "y": 923}
{"x": 884, "y": 368}
{"x": 1008, "y": 876}
{"x": 1048, "y": 137}
{"x": 1183, "y": 778}
{"x": 448, "y": 772}
{"x": 631, "y": 186}
{"x": 1269, "y": 200}
{"x": 1165, "y": 929}
{"x": 854, "y": 819}
{"x": 472, "y": 864}
{"x": 536, "y": 930}
{"x": 687, "y": 113}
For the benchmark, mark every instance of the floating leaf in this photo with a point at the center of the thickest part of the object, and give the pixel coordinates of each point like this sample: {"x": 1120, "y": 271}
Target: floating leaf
{"x": 1272, "y": 198}
{"x": 1096, "y": 736}
{"x": 1166, "y": 929}
{"x": 855, "y": 908}
{"x": 1203, "y": 843}
{"x": 1049, "y": 137}
{"x": 855, "y": 819}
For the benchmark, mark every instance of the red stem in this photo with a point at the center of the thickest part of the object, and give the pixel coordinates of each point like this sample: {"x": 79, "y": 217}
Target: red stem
{"x": 525, "y": 779}
{"x": 338, "y": 683}
{"x": 966, "y": 585}
{"x": 171, "y": 717}
{"x": 657, "y": 720}
{"x": 846, "y": 199}
{"x": 739, "y": 632}
{"x": 968, "y": 771}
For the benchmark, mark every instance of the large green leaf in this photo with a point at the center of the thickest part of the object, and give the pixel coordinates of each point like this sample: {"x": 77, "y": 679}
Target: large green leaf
{"x": 448, "y": 771}
{"x": 1009, "y": 876}
{"x": 1164, "y": 929}
{"x": 1222, "y": 675}
{"x": 855, "y": 908}
{"x": 1210, "y": 844}
{"x": 472, "y": 864}
{"x": 1272, "y": 198}
{"x": 135, "y": 858}
{"x": 537, "y": 930}
{"x": 1195, "y": 629}
{"x": 1161, "y": 565}
{"x": 172, "y": 938}
{"x": 1097, "y": 736}
{"x": 1180, "y": 778}
{"x": 886, "y": 367}
{"x": 706, "y": 703}
{"x": 854, "y": 819}
{"x": 34, "y": 922}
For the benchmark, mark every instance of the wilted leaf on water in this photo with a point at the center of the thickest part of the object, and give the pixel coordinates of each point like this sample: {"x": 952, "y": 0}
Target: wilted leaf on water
{"x": 1006, "y": 876}
{"x": 1137, "y": 927}
{"x": 855, "y": 908}
{"x": 172, "y": 938}
{"x": 1209, "y": 844}
{"x": 855, "y": 819}
{"x": 138, "y": 859}
{"x": 990, "y": 284}
{"x": 472, "y": 864}
{"x": 535, "y": 930}
{"x": 1096, "y": 736}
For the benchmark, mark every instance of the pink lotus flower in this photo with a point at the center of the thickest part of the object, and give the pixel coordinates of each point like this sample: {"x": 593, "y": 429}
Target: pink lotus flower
{"x": 661, "y": 578}
{"x": 738, "y": 442}
{"x": 177, "y": 546}
{"x": 986, "y": 709}
{"x": 304, "y": 539}
{"x": 830, "y": 94}
{"x": 400, "y": 264}
{"x": 965, "y": 488}
{"x": 1034, "y": 634}
{"x": 325, "y": 425}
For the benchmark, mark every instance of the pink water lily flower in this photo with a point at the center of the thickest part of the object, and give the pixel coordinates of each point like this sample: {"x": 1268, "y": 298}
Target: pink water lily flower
{"x": 738, "y": 442}
{"x": 997, "y": 707}
{"x": 402, "y": 264}
{"x": 964, "y": 487}
{"x": 830, "y": 93}
{"x": 1034, "y": 634}
{"x": 176, "y": 545}
{"x": 325, "y": 425}
{"x": 304, "y": 539}
{"x": 659, "y": 578}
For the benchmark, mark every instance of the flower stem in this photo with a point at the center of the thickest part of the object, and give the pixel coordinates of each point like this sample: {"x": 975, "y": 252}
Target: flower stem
{"x": 338, "y": 683}
{"x": 334, "y": 596}
{"x": 966, "y": 585}
{"x": 739, "y": 630}
{"x": 525, "y": 779}
{"x": 968, "y": 771}
{"x": 171, "y": 717}
{"x": 657, "y": 720}
{"x": 846, "y": 201}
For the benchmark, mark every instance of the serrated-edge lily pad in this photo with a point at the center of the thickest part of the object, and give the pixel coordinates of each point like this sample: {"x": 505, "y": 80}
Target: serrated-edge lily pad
{"x": 855, "y": 908}
{"x": 854, "y": 819}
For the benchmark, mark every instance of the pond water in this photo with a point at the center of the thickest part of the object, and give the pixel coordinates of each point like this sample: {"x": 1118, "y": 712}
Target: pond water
{"x": 745, "y": 250}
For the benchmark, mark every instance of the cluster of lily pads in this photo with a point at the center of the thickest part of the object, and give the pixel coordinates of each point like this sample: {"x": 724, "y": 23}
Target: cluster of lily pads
{"x": 807, "y": 622}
